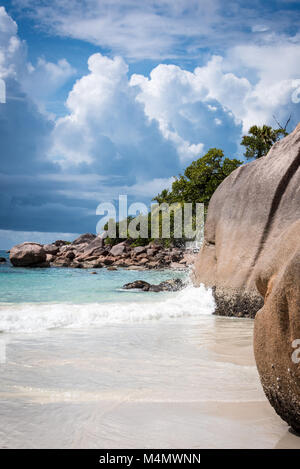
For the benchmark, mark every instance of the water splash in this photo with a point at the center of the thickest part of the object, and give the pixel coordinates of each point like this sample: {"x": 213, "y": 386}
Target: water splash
{"x": 31, "y": 317}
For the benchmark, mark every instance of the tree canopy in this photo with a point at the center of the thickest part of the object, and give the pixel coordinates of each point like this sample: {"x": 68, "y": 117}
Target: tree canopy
{"x": 260, "y": 140}
{"x": 200, "y": 179}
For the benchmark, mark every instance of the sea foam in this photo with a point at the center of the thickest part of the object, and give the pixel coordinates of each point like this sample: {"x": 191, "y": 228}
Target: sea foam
{"x": 31, "y": 317}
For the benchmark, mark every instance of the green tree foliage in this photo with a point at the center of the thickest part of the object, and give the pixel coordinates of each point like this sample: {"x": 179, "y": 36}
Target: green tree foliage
{"x": 200, "y": 179}
{"x": 198, "y": 183}
{"x": 134, "y": 242}
{"x": 260, "y": 140}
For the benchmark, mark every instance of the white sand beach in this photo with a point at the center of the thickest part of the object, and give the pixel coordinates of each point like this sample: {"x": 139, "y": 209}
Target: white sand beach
{"x": 189, "y": 382}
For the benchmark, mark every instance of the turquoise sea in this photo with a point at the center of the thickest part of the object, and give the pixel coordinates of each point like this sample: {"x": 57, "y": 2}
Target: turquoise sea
{"x": 34, "y": 299}
{"x": 63, "y": 285}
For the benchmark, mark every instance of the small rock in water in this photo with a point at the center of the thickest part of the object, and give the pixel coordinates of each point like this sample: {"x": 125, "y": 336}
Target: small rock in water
{"x": 93, "y": 273}
{"x": 140, "y": 284}
{"x": 112, "y": 268}
{"x": 2, "y": 260}
{"x": 155, "y": 288}
{"x": 168, "y": 285}
{"x": 173, "y": 284}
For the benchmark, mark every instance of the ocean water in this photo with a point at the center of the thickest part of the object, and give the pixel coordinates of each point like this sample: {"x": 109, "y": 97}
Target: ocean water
{"x": 84, "y": 364}
{"x": 35, "y": 299}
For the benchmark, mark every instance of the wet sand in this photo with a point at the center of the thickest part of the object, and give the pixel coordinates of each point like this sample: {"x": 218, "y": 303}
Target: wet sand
{"x": 189, "y": 382}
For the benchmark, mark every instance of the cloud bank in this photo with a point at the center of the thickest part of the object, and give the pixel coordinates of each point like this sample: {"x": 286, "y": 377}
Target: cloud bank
{"x": 165, "y": 29}
{"x": 130, "y": 133}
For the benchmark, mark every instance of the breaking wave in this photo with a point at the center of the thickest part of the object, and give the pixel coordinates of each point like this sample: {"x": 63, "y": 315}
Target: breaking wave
{"x": 31, "y": 317}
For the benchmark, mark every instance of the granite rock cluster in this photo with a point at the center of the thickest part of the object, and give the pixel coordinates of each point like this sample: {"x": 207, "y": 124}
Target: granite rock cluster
{"x": 90, "y": 251}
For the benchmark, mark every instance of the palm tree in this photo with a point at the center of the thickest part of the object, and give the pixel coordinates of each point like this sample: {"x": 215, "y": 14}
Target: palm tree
{"x": 260, "y": 140}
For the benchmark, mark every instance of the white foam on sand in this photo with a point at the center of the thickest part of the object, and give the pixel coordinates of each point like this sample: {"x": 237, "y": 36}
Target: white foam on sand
{"x": 31, "y": 317}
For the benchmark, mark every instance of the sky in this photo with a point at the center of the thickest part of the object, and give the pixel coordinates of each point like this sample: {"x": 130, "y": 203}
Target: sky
{"x": 109, "y": 97}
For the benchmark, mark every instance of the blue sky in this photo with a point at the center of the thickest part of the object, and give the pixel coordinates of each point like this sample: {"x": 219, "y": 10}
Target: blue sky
{"x": 109, "y": 97}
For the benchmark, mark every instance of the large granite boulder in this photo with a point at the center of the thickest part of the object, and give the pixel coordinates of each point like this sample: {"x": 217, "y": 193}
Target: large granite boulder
{"x": 27, "y": 255}
{"x": 118, "y": 249}
{"x": 60, "y": 242}
{"x": 139, "y": 250}
{"x": 51, "y": 249}
{"x": 247, "y": 213}
{"x": 251, "y": 258}
{"x": 84, "y": 238}
{"x": 277, "y": 325}
{"x": 96, "y": 243}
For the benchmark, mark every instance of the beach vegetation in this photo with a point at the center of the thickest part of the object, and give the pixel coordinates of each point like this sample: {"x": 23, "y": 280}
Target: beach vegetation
{"x": 200, "y": 179}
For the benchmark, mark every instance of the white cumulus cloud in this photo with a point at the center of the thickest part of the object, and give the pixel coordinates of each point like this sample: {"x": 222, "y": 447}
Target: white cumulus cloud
{"x": 106, "y": 129}
{"x": 170, "y": 94}
{"x": 43, "y": 79}
{"x": 38, "y": 81}
{"x": 12, "y": 49}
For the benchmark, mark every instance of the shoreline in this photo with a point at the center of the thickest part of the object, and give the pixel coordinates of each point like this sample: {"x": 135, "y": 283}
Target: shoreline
{"x": 91, "y": 251}
{"x": 157, "y": 384}
{"x": 85, "y": 384}
{"x": 124, "y": 257}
